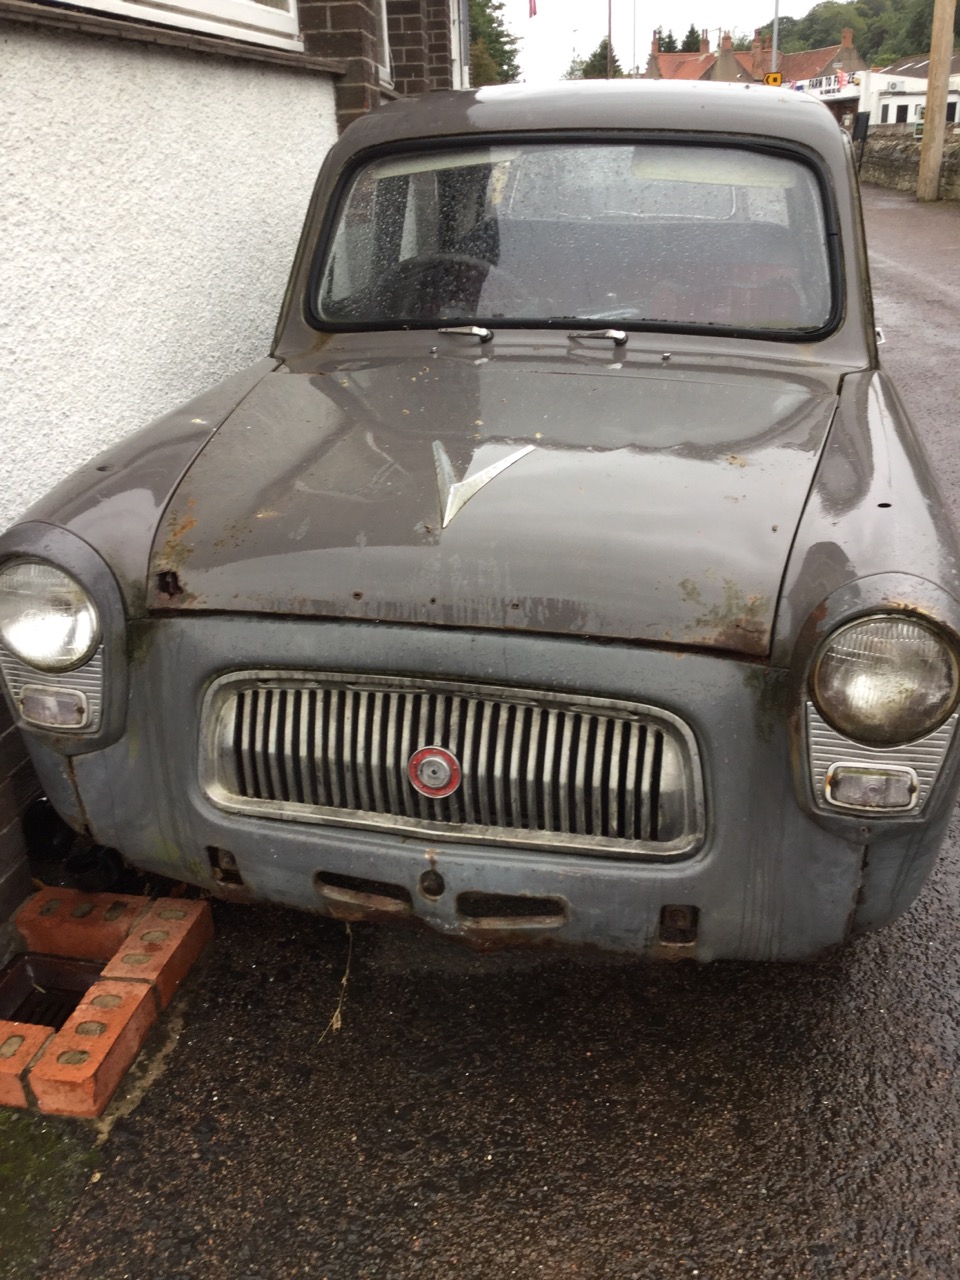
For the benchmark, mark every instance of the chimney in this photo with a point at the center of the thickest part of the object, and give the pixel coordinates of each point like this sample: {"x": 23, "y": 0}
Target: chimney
{"x": 846, "y": 38}
{"x": 655, "y": 42}
{"x": 756, "y": 59}
{"x": 704, "y": 41}
{"x": 727, "y": 41}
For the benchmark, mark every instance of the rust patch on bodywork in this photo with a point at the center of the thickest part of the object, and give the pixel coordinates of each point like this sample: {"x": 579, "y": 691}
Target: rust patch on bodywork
{"x": 739, "y": 622}
{"x": 174, "y": 552}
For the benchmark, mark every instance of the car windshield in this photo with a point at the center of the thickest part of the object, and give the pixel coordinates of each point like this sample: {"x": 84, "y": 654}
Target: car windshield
{"x": 615, "y": 233}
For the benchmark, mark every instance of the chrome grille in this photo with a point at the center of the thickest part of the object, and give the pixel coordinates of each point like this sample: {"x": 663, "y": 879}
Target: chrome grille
{"x": 598, "y": 775}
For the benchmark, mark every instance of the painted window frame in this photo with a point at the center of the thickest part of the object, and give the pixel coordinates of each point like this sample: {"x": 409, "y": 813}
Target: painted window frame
{"x": 384, "y": 52}
{"x": 248, "y": 20}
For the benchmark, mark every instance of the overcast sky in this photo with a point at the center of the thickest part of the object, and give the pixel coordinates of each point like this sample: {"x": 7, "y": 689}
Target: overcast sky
{"x": 564, "y": 27}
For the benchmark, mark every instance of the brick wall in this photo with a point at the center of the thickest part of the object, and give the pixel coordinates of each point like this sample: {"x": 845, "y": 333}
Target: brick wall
{"x": 421, "y": 48}
{"x": 18, "y": 786}
{"x": 407, "y": 24}
{"x": 439, "y": 45}
{"x": 346, "y": 29}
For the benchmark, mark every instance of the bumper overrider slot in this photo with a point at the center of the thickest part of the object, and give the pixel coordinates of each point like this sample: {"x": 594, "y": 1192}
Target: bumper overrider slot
{"x": 506, "y": 911}
{"x": 529, "y": 767}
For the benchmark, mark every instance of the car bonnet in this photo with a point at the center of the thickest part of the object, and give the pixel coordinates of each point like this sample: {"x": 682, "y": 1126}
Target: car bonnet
{"x": 629, "y": 498}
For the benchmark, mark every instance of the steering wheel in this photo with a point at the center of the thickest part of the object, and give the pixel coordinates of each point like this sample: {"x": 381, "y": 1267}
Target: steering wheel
{"x": 448, "y": 286}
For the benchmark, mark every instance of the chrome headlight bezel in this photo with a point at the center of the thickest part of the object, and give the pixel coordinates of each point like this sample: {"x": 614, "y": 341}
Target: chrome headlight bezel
{"x": 105, "y": 678}
{"x": 63, "y": 598}
{"x": 874, "y": 727}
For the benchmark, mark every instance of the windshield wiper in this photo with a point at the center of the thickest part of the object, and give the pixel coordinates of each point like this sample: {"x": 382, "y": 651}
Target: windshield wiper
{"x": 616, "y": 336}
{"x": 469, "y": 331}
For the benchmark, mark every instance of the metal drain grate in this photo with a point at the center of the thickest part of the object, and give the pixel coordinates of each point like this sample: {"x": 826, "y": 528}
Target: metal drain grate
{"x": 44, "y": 990}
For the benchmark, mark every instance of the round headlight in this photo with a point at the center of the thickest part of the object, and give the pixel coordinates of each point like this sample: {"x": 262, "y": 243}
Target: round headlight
{"x": 46, "y": 618}
{"x": 886, "y": 680}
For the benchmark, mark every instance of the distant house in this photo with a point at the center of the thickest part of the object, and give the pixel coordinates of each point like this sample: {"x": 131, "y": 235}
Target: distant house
{"x": 679, "y": 66}
{"x": 828, "y": 73}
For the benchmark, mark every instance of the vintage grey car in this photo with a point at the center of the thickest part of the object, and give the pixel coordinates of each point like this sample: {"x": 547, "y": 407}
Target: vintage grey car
{"x": 569, "y": 572}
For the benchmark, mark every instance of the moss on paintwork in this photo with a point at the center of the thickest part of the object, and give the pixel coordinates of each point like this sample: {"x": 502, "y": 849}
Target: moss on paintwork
{"x": 140, "y": 637}
{"x": 769, "y": 692}
{"x": 44, "y": 1165}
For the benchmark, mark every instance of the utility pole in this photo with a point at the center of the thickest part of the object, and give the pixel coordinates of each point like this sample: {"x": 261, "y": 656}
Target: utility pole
{"x": 610, "y": 39}
{"x": 935, "y": 112}
{"x": 776, "y": 35}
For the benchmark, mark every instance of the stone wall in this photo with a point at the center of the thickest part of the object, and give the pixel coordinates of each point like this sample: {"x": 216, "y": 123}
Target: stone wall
{"x": 891, "y": 158}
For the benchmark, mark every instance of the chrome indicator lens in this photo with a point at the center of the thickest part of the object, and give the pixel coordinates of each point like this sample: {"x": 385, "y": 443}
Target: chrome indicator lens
{"x": 47, "y": 620}
{"x": 886, "y": 680}
{"x": 882, "y": 787}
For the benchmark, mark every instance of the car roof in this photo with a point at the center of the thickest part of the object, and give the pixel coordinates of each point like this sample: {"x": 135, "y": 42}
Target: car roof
{"x": 630, "y": 105}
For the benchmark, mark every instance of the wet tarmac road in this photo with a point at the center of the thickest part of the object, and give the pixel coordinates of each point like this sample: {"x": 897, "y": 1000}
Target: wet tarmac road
{"x": 544, "y": 1116}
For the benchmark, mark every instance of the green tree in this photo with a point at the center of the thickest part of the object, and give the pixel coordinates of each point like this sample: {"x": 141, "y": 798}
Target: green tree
{"x": 668, "y": 42}
{"x": 575, "y": 69}
{"x": 488, "y": 27}
{"x": 483, "y": 69}
{"x": 595, "y": 67}
{"x": 918, "y": 27}
{"x": 691, "y": 41}
{"x": 883, "y": 30}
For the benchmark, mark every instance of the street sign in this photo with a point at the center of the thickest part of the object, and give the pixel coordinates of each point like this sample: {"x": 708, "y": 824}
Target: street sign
{"x": 774, "y": 78}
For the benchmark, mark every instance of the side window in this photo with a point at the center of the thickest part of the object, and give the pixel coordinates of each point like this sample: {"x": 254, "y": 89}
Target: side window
{"x": 885, "y": 113}
{"x": 902, "y": 113}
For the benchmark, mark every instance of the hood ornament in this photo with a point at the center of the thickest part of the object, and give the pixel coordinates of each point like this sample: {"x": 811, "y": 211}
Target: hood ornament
{"x": 455, "y": 493}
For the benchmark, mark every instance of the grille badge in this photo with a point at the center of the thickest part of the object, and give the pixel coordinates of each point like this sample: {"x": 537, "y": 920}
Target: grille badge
{"x": 434, "y": 772}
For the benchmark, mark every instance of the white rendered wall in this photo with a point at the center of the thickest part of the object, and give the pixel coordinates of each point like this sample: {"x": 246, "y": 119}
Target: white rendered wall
{"x": 150, "y": 204}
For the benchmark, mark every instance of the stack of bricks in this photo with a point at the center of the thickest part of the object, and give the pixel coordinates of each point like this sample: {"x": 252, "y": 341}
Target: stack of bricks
{"x": 18, "y": 786}
{"x": 146, "y": 949}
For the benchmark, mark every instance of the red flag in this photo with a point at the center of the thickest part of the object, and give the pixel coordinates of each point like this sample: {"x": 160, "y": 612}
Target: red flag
{"x": 533, "y": 8}
{"x": 841, "y": 78}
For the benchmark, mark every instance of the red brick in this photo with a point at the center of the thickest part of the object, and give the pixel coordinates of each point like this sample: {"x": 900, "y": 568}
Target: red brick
{"x": 20, "y": 1042}
{"x": 164, "y": 946}
{"x": 86, "y": 1060}
{"x": 83, "y": 926}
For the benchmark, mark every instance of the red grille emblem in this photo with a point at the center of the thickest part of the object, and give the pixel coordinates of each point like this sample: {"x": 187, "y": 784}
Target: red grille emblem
{"x": 434, "y": 772}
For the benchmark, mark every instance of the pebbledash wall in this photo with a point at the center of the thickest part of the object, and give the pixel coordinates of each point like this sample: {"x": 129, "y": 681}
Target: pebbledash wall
{"x": 152, "y": 200}
{"x": 152, "y": 196}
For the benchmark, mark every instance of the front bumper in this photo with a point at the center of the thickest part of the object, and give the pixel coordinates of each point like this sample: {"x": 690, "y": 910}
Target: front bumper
{"x": 768, "y": 881}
